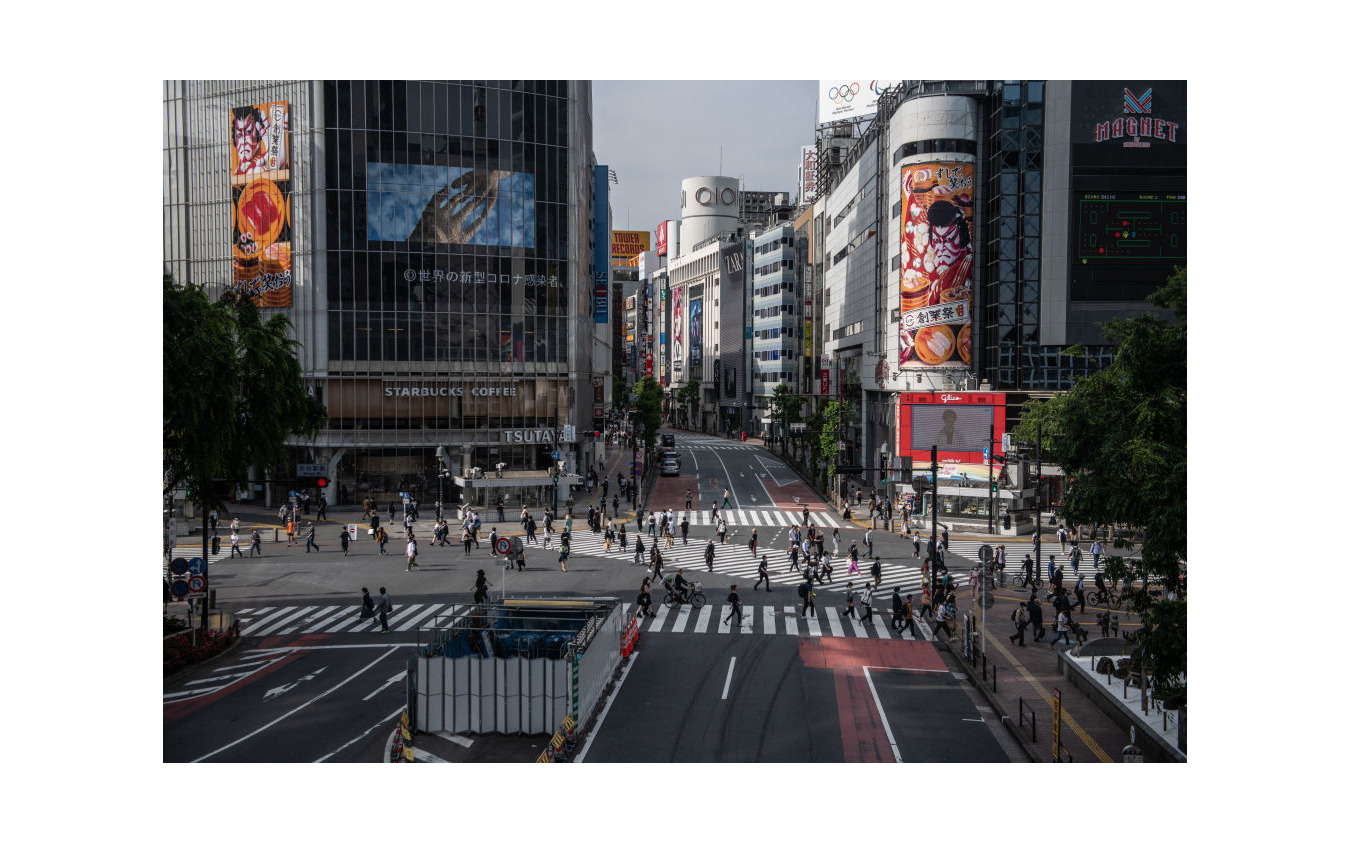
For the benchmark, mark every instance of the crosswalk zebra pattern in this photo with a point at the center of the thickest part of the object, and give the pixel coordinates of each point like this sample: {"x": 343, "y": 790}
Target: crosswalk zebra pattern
{"x": 765, "y": 619}
{"x": 733, "y": 560}
{"x": 343, "y": 618}
{"x": 750, "y": 517}
{"x": 770, "y": 620}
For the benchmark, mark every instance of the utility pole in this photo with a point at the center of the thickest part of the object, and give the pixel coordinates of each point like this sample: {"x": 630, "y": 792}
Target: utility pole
{"x": 932, "y": 570}
{"x": 1037, "y": 543}
{"x": 991, "y": 479}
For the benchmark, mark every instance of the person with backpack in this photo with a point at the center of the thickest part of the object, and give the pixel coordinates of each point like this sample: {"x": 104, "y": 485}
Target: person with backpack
{"x": 638, "y": 550}
{"x": 734, "y": 600}
{"x": 1036, "y": 619}
{"x": 492, "y": 542}
{"x": 808, "y": 597}
{"x": 1020, "y": 620}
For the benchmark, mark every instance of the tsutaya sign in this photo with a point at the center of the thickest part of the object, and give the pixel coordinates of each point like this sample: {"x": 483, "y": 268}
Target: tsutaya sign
{"x": 406, "y": 390}
{"x": 567, "y": 434}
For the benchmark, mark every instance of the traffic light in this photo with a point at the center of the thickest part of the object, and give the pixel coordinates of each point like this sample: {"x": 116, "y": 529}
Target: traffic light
{"x": 321, "y": 482}
{"x": 906, "y": 469}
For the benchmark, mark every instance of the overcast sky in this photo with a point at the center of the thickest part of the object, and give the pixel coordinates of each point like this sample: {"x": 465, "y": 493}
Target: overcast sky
{"x": 655, "y": 134}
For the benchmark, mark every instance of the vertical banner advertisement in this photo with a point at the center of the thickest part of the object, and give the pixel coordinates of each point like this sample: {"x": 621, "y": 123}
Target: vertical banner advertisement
{"x": 601, "y": 215}
{"x": 260, "y": 192}
{"x": 677, "y": 324}
{"x": 936, "y": 256}
{"x": 661, "y": 242}
{"x": 696, "y": 335}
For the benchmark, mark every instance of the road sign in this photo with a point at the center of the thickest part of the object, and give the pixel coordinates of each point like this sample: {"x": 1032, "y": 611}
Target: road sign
{"x": 196, "y": 584}
{"x": 351, "y": 532}
{"x": 196, "y": 566}
{"x": 556, "y": 455}
{"x": 1007, "y": 442}
{"x": 179, "y": 565}
{"x": 179, "y": 588}
{"x": 986, "y": 454}
{"x": 503, "y": 545}
{"x": 310, "y": 470}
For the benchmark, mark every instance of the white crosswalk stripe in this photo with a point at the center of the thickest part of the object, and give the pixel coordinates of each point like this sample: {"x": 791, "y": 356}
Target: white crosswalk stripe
{"x": 744, "y": 517}
{"x": 343, "y": 618}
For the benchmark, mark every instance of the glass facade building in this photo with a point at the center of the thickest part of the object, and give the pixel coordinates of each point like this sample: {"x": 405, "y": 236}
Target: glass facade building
{"x": 437, "y": 270}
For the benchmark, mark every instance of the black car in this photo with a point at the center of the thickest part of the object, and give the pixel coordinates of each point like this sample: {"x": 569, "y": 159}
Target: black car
{"x": 668, "y": 440}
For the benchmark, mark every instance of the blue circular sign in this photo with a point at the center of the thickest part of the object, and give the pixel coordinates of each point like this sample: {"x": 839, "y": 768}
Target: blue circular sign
{"x": 556, "y": 455}
{"x": 179, "y": 588}
{"x": 179, "y": 565}
{"x": 196, "y": 565}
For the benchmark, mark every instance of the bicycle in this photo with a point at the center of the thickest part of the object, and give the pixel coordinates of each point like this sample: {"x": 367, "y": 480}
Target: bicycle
{"x": 1020, "y": 581}
{"x": 1104, "y": 597}
{"x": 696, "y": 597}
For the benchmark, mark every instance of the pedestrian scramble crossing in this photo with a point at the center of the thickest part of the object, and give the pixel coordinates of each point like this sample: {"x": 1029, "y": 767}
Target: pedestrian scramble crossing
{"x": 765, "y": 619}
{"x": 733, "y": 559}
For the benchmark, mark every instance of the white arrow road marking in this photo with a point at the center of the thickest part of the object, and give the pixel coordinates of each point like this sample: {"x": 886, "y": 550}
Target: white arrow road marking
{"x": 281, "y": 690}
{"x": 387, "y": 683}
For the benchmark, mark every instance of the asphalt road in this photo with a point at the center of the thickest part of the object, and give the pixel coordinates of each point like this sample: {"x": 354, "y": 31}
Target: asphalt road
{"x": 302, "y": 692}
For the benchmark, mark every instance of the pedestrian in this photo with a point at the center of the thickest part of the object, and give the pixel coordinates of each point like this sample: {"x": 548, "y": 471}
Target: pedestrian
{"x": 812, "y": 571}
{"x": 215, "y": 544}
{"x": 836, "y": 542}
{"x": 1096, "y": 551}
{"x": 826, "y": 570}
{"x": 344, "y": 539}
{"x": 808, "y": 597}
{"x": 1075, "y": 557}
{"x": 1019, "y": 620}
{"x": 867, "y": 540}
{"x": 623, "y": 538}
{"x": 726, "y": 498}
{"x": 971, "y": 579}
{"x": 530, "y": 528}
{"x": 214, "y": 518}
{"x": 1036, "y": 618}
{"x": 290, "y": 532}
{"x": 480, "y": 587}
{"x": 907, "y": 617}
{"x": 644, "y": 598}
{"x": 309, "y": 538}
{"x": 684, "y": 530}
{"x": 754, "y": 541}
{"x": 866, "y": 599}
{"x": 385, "y": 606}
{"x": 940, "y": 621}
{"x": 609, "y": 537}
{"x": 323, "y": 509}
{"x": 917, "y": 541}
{"x": 709, "y": 553}
{"x": 1080, "y": 596}
{"x": 794, "y": 556}
{"x": 688, "y": 499}
{"x": 734, "y": 600}
{"x": 852, "y": 557}
{"x": 391, "y": 512}
{"x": 501, "y": 511}
{"x": 925, "y": 604}
{"x": 897, "y": 607}
{"x": 876, "y": 574}
{"x": 467, "y": 539}
{"x": 1062, "y": 535}
{"x": 1051, "y": 571}
{"x": 848, "y": 600}
{"x": 411, "y": 553}
{"x": 657, "y": 560}
{"x": 763, "y": 572}
{"x": 255, "y": 543}
{"x": 722, "y": 531}
{"x": 234, "y": 525}
{"x": 367, "y": 605}
{"x": 1061, "y": 628}
{"x": 651, "y": 525}
{"x": 492, "y": 543}
{"x": 383, "y": 536}
{"x": 234, "y": 544}
{"x": 564, "y": 550}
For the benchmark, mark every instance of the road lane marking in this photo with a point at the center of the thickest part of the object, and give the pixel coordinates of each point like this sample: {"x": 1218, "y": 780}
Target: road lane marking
{"x": 393, "y": 714}
{"x": 322, "y": 695}
{"x": 682, "y": 618}
{"x": 600, "y": 720}
{"x": 730, "y": 668}
{"x": 1040, "y": 690}
{"x": 704, "y": 616}
{"x": 881, "y": 712}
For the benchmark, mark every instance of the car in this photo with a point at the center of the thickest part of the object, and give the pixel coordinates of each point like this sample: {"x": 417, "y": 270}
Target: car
{"x": 668, "y": 440}
{"x": 670, "y": 465}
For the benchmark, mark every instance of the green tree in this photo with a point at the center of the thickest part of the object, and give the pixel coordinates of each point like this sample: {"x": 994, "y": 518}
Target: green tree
{"x": 648, "y": 408}
{"x": 1121, "y": 439}
{"x": 832, "y": 423}
{"x": 688, "y": 395}
{"x": 233, "y": 391}
{"x": 786, "y": 407}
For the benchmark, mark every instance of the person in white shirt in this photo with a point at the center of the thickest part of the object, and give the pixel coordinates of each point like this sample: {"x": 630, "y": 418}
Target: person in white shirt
{"x": 411, "y": 553}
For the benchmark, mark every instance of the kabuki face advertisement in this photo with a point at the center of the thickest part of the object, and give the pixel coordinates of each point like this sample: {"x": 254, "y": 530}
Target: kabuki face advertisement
{"x": 936, "y": 256}
{"x": 260, "y": 189}
{"x": 677, "y": 324}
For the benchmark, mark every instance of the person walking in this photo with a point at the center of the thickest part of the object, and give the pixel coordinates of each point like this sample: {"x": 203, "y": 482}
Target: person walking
{"x": 708, "y": 553}
{"x": 1020, "y": 620}
{"x": 1096, "y": 551}
{"x": 638, "y": 549}
{"x": 1080, "y": 595}
{"x": 290, "y": 532}
{"x": 971, "y": 580}
{"x": 467, "y": 539}
{"x": 480, "y": 587}
{"x": 722, "y": 531}
{"x": 323, "y": 509}
{"x": 383, "y": 536}
{"x": 623, "y": 538}
{"x": 906, "y": 617}
{"x": 1036, "y": 618}
{"x": 1061, "y": 628}
{"x": 876, "y": 574}
{"x": 564, "y": 551}
{"x": 492, "y": 542}
{"x": 1062, "y": 535}
{"x": 917, "y": 546}
{"x": 925, "y": 604}
{"x": 684, "y": 530}
{"x": 688, "y": 499}
{"x": 763, "y": 572}
{"x": 852, "y": 557}
{"x": 530, "y": 529}
{"x": 794, "y": 557}
{"x": 726, "y": 499}
{"x": 734, "y": 601}
{"x": 411, "y": 553}
{"x": 234, "y": 544}
{"x": 255, "y": 543}
{"x": 367, "y": 605}
{"x": 867, "y": 541}
{"x": 754, "y": 541}
{"x": 866, "y": 599}
{"x": 808, "y": 598}
{"x": 848, "y": 601}
{"x": 344, "y": 540}
{"x": 234, "y": 525}
{"x": 835, "y": 536}
{"x": 657, "y": 561}
{"x": 214, "y": 518}
{"x": 644, "y": 599}
{"x": 385, "y": 605}
{"x": 651, "y": 526}
{"x": 309, "y": 538}
{"x": 826, "y": 570}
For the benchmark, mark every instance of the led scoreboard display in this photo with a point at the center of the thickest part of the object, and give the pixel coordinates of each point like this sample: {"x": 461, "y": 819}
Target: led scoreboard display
{"x": 1131, "y": 225}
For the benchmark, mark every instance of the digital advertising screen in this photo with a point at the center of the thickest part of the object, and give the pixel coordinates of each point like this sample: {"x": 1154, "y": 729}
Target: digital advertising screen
{"x": 260, "y": 193}
{"x": 432, "y": 203}
{"x": 950, "y": 427}
{"x": 696, "y": 334}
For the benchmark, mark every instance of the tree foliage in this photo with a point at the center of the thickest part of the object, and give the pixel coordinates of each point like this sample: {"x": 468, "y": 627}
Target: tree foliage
{"x": 648, "y": 408}
{"x": 233, "y": 391}
{"x": 688, "y": 395}
{"x": 786, "y": 406}
{"x": 1120, "y": 434}
{"x": 832, "y": 419}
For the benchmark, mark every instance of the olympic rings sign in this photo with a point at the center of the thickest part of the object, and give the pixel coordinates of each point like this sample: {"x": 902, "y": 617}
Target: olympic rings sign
{"x": 844, "y": 93}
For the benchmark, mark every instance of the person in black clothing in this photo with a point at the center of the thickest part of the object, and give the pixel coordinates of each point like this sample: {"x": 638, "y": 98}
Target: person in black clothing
{"x": 793, "y": 553}
{"x": 708, "y": 554}
{"x": 946, "y": 543}
{"x": 763, "y": 573}
{"x": 1019, "y": 618}
{"x": 848, "y": 601}
{"x": 876, "y": 574}
{"x": 734, "y": 599}
{"x": 1037, "y": 620}
{"x": 808, "y": 601}
{"x": 480, "y": 587}
{"x": 323, "y": 508}
{"x": 681, "y": 585}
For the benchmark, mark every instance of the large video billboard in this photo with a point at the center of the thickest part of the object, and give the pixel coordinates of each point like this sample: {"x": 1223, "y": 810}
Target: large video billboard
{"x": 260, "y": 192}
{"x": 696, "y": 334}
{"x": 936, "y": 257}
{"x": 677, "y": 325}
{"x": 957, "y": 423}
{"x": 434, "y": 203}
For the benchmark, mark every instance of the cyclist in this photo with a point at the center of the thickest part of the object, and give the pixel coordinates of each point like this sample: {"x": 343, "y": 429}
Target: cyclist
{"x": 681, "y": 586}
{"x": 1100, "y": 583}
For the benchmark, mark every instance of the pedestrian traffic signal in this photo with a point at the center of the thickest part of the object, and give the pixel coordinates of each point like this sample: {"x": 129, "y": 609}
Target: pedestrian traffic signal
{"x": 321, "y": 482}
{"x": 906, "y": 469}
